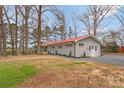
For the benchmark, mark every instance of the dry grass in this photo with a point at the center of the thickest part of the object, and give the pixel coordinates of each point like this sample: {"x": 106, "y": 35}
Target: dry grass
{"x": 61, "y": 72}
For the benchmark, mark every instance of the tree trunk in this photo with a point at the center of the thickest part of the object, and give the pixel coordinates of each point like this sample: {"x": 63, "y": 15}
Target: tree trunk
{"x": 22, "y": 38}
{"x": 2, "y": 34}
{"x": 16, "y": 34}
{"x": 75, "y": 31}
{"x": 26, "y": 29}
{"x": 39, "y": 30}
{"x": 1, "y": 30}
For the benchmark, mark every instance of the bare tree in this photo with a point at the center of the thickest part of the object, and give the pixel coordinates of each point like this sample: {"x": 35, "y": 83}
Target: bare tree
{"x": 11, "y": 31}
{"x": 71, "y": 32}
{"x": 114, "y": 36}
{"x": 75, "y": 27}
{"x": 40, "y": 11}
{"x": 26, "y": 14}
{"x": 120, "y": 36}
{"x": 120, "y": 15}
{"x": 94, "y": 17}
{"x": 61, "y": 26}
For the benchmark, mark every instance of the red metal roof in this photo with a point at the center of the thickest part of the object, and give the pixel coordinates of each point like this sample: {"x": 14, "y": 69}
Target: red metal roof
{"x": 66, "y": 41}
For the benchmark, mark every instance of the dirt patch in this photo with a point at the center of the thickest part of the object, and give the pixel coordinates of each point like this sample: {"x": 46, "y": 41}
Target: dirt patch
{"x": 75, "y": 78}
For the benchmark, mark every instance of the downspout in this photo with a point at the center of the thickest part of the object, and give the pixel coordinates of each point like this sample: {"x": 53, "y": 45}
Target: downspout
{"x": 50, "y": 49}
{"x": 74, "y": 49}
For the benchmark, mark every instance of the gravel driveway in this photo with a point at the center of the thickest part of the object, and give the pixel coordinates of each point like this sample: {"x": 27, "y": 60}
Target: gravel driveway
{"x": 108, "y": 59}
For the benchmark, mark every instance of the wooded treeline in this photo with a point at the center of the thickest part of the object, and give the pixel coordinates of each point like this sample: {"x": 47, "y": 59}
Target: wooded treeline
{"x": 23, "y": 28}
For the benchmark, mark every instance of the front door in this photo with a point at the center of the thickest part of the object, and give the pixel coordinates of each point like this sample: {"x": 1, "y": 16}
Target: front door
{"x": 93, "y": 52}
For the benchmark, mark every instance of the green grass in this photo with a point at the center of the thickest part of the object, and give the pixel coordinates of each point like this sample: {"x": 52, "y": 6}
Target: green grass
{"x": 14, "y": 74}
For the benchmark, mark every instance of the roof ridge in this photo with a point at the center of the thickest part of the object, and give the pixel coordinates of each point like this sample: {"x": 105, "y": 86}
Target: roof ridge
{"x": 67, "y": 40}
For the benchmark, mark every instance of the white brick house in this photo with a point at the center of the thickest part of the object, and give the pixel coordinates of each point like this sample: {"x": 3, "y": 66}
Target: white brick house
{"x": 84, "y": 46}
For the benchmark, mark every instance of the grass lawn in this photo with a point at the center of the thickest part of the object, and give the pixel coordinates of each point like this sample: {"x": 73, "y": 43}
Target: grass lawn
{"x": 55, "y": 71}
{"x": 12, "y": 74}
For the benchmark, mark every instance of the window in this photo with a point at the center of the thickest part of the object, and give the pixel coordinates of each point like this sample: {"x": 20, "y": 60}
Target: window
{"x": 53, "y": 46}
{"x": 69, "y": 45}
{"x": 59, "y": 46}
{"x": 81, "y": 44}
{"x": 89, "y": 48}
{"x": 92, "y": 47}
{"x": 95, "y": 48}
